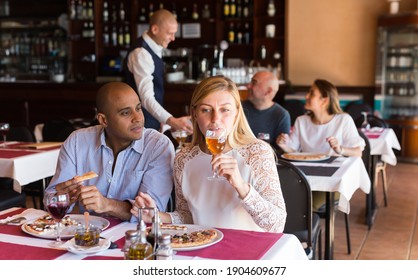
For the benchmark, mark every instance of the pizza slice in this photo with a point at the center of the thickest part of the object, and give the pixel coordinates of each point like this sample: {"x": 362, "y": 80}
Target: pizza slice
{"x": 86, "y": 176}
{"x": 195, "y": 238}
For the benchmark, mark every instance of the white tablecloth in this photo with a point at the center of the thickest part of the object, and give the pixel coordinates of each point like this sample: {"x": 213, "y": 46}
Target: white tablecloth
{"x": 350, "y": 176}
{"x": 384, "y": 145}
{"x": 29, "y": 168}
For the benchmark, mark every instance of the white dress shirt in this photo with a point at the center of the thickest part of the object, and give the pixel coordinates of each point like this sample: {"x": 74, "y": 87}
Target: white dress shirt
{"x": 141, "y": 65}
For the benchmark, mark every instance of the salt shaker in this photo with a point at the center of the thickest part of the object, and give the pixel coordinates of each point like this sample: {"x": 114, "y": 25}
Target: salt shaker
{"x": 164, "y": 250}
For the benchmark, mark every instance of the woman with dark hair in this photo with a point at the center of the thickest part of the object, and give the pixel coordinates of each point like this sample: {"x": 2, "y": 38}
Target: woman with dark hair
{"x": 325, "y": 128}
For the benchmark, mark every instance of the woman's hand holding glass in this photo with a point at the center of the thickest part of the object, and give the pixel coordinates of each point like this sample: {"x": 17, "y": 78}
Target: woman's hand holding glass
{"x": 215, "y": 141}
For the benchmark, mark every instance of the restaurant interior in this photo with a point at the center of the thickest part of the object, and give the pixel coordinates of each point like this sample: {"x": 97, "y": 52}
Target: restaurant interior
{"x": 54, "y": 55}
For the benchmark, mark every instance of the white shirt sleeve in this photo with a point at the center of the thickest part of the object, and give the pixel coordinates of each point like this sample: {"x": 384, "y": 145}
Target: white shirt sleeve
{"x": 142, "y": 66}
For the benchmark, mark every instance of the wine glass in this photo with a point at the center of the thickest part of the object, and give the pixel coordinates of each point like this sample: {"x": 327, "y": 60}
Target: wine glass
{"x": 216, "y": 141}
{"x": 365, "y": 125}
{"x": 4, "y": 129}
{"x": 57, "y": 206}
{"x": 180, "y": 136}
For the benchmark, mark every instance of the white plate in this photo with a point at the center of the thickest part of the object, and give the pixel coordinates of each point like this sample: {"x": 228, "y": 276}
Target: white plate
{"x": 300, "y": 156}
{"x": 68, "y": 232}
{"x": 191, "y": 228}
{"x": 104, "y": 244}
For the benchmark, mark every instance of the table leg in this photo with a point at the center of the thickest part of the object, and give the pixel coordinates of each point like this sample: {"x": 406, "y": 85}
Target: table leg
{"x": 371, "y": 205}
{"x": 329, "y": 226}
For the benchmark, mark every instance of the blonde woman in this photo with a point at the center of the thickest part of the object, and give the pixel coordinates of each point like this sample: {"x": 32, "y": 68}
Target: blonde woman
{"x": 250, "y": 196}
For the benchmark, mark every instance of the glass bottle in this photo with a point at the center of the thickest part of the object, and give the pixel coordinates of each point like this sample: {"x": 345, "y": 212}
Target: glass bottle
{"x": 195, "y": 14}
{"x": 232, "y": 9}
{"x": 226, "y": 8}
{"x": 164, "y": 251}
{"x": 246, "y": 9}
{"x": 105, "y": 11}
{"x": 206, "y": 11}
{"x": 140, "y": 249}
{"x": 271, "y": 9}
{"x": 231, "y": 33}
{"x": 130, "y": 237}
{"x": 263, "y": 52}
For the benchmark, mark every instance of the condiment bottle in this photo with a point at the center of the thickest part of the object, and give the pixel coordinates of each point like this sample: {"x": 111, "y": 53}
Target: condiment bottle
{"x": 164, "y": 251}
{"x": 130, "y": 237}
{"x": 140, "y": 249}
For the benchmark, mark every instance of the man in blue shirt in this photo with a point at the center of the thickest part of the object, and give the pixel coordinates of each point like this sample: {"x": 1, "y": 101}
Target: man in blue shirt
{"x": 128, "y": 158}
{"x": 263, "y": 114}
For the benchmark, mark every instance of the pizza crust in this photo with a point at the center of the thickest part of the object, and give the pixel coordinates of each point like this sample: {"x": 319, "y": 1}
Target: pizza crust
{"x": 86, "y": 176}
{"x": 302, "y": 156}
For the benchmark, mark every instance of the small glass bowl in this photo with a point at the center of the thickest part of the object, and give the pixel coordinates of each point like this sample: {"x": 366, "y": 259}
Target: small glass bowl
{"x": 87, "y": 237}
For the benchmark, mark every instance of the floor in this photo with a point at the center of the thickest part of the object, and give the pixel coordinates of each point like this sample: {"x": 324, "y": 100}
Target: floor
{"x": 393, "y": 235}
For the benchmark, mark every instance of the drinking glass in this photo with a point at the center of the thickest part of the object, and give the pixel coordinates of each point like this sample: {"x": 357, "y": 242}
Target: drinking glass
{"x": 4, "y": 129}
{"x": 180, "y": 136}
{"x": 57, "y": 206}
{"x": 365, "y": 125}
{"x": 216, "y": 141}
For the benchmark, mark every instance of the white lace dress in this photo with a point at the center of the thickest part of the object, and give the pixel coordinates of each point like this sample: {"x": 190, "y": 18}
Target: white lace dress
{"x": 217, "y": 204}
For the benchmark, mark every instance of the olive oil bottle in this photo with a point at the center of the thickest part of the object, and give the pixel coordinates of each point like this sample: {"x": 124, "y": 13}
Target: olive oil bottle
{"x": 141, "y": 249}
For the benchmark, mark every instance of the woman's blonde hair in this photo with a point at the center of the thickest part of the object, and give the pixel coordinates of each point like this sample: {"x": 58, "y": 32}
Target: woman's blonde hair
{"x": 241, "y": 133}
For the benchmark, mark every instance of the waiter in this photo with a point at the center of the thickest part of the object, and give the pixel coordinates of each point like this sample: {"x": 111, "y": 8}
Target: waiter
{"x": 145, "y": 71}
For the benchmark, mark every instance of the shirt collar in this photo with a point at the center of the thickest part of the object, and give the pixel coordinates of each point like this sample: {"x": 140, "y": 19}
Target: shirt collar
{"x": 157, "y": 49}
{"x": 136, "y": 145}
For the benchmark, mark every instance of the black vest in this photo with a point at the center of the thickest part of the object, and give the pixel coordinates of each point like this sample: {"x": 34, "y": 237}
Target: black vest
{"x": 158, "y": 81}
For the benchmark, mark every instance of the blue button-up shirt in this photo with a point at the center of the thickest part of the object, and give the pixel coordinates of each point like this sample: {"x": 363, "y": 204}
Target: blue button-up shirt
{"x": 146, "y": 165}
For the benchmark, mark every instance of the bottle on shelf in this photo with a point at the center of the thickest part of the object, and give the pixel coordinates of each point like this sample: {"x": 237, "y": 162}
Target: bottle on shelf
{"x": 231, "y": 33}
{"x": 150, "y": 10}
{"x": 127, "y": 36}
{"x": 142, "y": 16}
{"x": 121, "y": 12}
{"x": 226, "y": 8}
{"x": 106, "y": 39}
{"x": 232, "y": 9}
{"x": 271, "y": 8}
{"x": 195, "y": 14}
{"x": 73, "y": 12}
{"x": 206, "y": 11}
{"x": 90, "y": 13}
{"x": 263, "y": 52}
{"x": 247, "y": 33}
{"x": 173, "y": 10}
{"x": 239, "y": 9}
{"x": 105, "y": 11}
{"x": 246, "y": 9}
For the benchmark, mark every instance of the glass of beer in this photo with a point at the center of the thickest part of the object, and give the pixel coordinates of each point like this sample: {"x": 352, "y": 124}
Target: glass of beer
{"x": 216, "y": 141}
{"x": 181, "y": 137}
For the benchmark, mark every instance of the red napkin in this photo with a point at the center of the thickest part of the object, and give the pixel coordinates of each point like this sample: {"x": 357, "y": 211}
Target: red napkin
{"x": 10, "y": 251}
{"x": 238, "y": 245}
{"x": 373, "y": 135}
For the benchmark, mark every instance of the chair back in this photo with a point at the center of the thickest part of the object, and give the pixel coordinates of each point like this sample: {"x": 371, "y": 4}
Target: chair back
{"x": 57, "y": 130}
{"x": 375, "y": 121}
{"x": 297, "y": 195}
{"x": 354, "y": 109}
{"x": 21, "y": 133}
{"x": 295, "y": 108}
{"x": 367, "y": 158}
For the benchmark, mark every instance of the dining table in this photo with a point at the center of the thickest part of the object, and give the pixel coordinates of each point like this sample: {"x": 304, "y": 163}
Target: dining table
{"x": 28, "y": 162}
{"x": 16, "y": 244}
{"x": 383, "y": 141}
{"x": 335, "y": 174}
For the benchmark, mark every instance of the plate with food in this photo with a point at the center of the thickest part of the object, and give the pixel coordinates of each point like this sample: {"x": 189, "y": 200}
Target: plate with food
{"x": 299, "y": 156}
{"x": 45, "y": 226}
{"x": 189, "y": 237}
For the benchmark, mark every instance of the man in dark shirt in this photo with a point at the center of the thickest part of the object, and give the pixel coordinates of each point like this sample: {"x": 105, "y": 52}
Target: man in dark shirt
{"x": 263, "y": 114}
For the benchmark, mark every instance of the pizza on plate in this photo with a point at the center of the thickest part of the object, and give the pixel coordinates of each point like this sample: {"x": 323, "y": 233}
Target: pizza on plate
{"x": 192, "y": 239}
{"x": 304, "y": 156}
{"x": 47, "y": 225}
